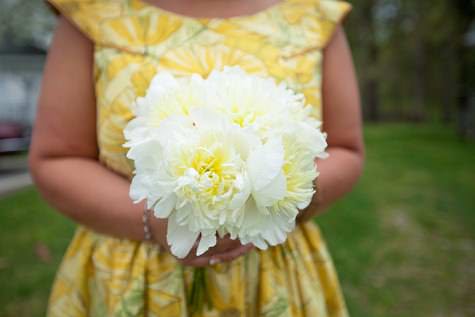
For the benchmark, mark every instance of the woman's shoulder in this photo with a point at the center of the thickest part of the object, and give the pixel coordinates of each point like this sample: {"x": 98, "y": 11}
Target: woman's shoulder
{"x": 111, "y": 23}
{"x": 317, "y": 18}
{"x": 329, "y": 13}
{"x": 333, "y": 13}
{"x": 126, "y": 23}
{"x": 88, "y": 16}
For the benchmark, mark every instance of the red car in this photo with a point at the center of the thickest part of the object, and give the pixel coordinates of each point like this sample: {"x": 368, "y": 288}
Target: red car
{"x": 14, "y": 137}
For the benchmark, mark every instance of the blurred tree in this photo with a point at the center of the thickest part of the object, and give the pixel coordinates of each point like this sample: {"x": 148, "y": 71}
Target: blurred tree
{"x": 371, "y": 87}
{"x": 25, "y": 23}
{"x": 411, "y": 55}
{"x": 465, "y": 10}
{"x": 411, "y": 58}
{"x": 362, "y": 33}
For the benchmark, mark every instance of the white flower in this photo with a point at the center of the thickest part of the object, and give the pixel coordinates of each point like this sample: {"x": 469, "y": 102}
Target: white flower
{"x": 195, "y": 166}
{"x": 233, "y": 153}
{"x": 281, "y": 175}
{"x": 259, "y": 103}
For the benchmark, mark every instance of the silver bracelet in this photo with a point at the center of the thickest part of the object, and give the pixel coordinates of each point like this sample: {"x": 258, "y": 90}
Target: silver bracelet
{"x": 316, "y": 187}
{"x": 147, "y": 232}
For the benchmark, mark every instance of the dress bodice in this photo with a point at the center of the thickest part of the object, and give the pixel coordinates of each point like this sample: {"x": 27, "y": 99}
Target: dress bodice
{"x": 102, "y": 275}
{"x": 134, "y": 40}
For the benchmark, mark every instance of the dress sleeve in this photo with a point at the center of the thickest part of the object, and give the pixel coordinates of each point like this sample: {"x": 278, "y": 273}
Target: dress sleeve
{"x": 77, "y": 12}
{"x": 332, "y": 13}
{"x": 88, "y": 15}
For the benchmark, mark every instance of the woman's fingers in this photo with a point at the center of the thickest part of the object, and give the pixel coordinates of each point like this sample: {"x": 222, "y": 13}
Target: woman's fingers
{"x": 225, "y": 250}
{"x": 199, "y": 261}
{"x": 232, "y": 254}
{"x": 214, "y": 258}
{"x": 223, "y": 244}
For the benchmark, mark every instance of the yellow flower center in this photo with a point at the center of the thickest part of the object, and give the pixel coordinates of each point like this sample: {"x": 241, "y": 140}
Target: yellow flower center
{"x": 215, "y": 172}
{"x": 207, "y": 161}
{"x": 242, "y": 117}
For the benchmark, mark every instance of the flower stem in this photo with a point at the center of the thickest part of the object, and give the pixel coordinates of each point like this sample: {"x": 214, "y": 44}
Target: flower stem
{"x": 199, "y": 292}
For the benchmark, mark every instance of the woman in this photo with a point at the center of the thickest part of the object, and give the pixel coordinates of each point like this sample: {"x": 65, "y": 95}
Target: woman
{"x": 104, "y": 54}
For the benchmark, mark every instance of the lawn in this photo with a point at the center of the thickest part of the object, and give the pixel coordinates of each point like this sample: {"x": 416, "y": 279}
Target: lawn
{"x": 403, "y": 241}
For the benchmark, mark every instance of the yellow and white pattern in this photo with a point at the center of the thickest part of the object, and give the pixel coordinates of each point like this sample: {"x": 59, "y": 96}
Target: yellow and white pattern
{"x": 105, "y": 276}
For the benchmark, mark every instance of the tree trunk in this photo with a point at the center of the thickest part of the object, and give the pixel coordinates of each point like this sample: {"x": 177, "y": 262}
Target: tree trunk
{"x": 463, "y": 91}
{"x": 371, "y": 81}
{"x": 465, "y": 10}
{"x": 419, "y": 113}
{"x": 448, "y": 87}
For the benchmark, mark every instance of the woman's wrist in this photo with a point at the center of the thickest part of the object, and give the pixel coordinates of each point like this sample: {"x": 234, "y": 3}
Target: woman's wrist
{"x": 158, "y": 230}
{"x": 313, "y": 208}
{"x": 317, "y": 199}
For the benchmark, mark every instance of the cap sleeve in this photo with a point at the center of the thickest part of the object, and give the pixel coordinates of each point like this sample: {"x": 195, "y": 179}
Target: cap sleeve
{"x": 88, "y": 15}
{"x": 332, "y": 12}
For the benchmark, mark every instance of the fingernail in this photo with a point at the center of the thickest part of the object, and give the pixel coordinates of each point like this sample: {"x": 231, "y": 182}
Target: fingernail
{"x": 214, "y": 261}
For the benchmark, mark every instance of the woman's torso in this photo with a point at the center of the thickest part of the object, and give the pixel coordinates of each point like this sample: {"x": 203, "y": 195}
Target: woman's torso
{"x": 135, "y": 40}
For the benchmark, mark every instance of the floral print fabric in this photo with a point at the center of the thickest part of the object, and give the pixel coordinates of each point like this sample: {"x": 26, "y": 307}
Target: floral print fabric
{"x": 105, "y": 276}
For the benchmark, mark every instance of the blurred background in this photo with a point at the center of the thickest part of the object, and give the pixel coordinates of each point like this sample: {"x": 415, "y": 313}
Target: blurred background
{"x": 403, "y": 241}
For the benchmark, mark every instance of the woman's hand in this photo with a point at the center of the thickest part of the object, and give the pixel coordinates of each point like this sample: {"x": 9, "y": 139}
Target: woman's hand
{"x": 158, "y": 229}
{"x": 225, "y": 249}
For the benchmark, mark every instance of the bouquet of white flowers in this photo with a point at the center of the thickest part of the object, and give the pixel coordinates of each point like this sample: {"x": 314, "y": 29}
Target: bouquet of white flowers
{"x": 230, "y": 154}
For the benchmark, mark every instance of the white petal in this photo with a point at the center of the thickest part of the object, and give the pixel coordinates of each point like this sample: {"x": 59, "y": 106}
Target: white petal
{"x": 222, "y": 218}
{"x": 257, "y": 241}
{"x": 276, "y": 228}
{"x": 206, "y": 118}
{"x": 240, "y": 198}
{"x": 165, "y": 206}
{"x": 323, "y": 155}
{"x": 304, "y": 204}
{"x": 139, "y": 188}
{"x": 261, "y": 229}
{"x": 180, "y": 238}
{"x": 135, "y": 129}
{"x": 145, "y": 154}
{"x": 273, "y": 235}
{"x": 206, "y": 242}
{"x": 252, "y": 219}
{"x": 244, "y": 140}
{"x": 184, "y": 212}
{"x": 312, "y": 138}
{"x": 273, "y": 192}
{"x": 265, "y": 163}
{"x": 161, "y": 84}
{"x": 172, "y": 129}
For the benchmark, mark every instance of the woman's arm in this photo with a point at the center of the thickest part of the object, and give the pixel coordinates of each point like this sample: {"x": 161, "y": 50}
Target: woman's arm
{"x": 343, "y": 123}
{"x": 63, "y": 154}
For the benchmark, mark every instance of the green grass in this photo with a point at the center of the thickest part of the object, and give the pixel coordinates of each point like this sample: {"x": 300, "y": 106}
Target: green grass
{"x": 403, "y": 241}
{"x": 25, "y": 278}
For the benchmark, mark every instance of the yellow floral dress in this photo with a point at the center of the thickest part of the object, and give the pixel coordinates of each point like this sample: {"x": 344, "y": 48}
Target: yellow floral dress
{"x": 105, "y": 276}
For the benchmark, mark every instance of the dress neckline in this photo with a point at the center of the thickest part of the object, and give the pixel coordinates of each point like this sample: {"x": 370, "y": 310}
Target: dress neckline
{"x": 261, "y": 12}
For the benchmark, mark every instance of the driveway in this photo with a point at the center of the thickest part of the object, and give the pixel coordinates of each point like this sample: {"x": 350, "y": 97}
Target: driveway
{"x": 13, "y": 173}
